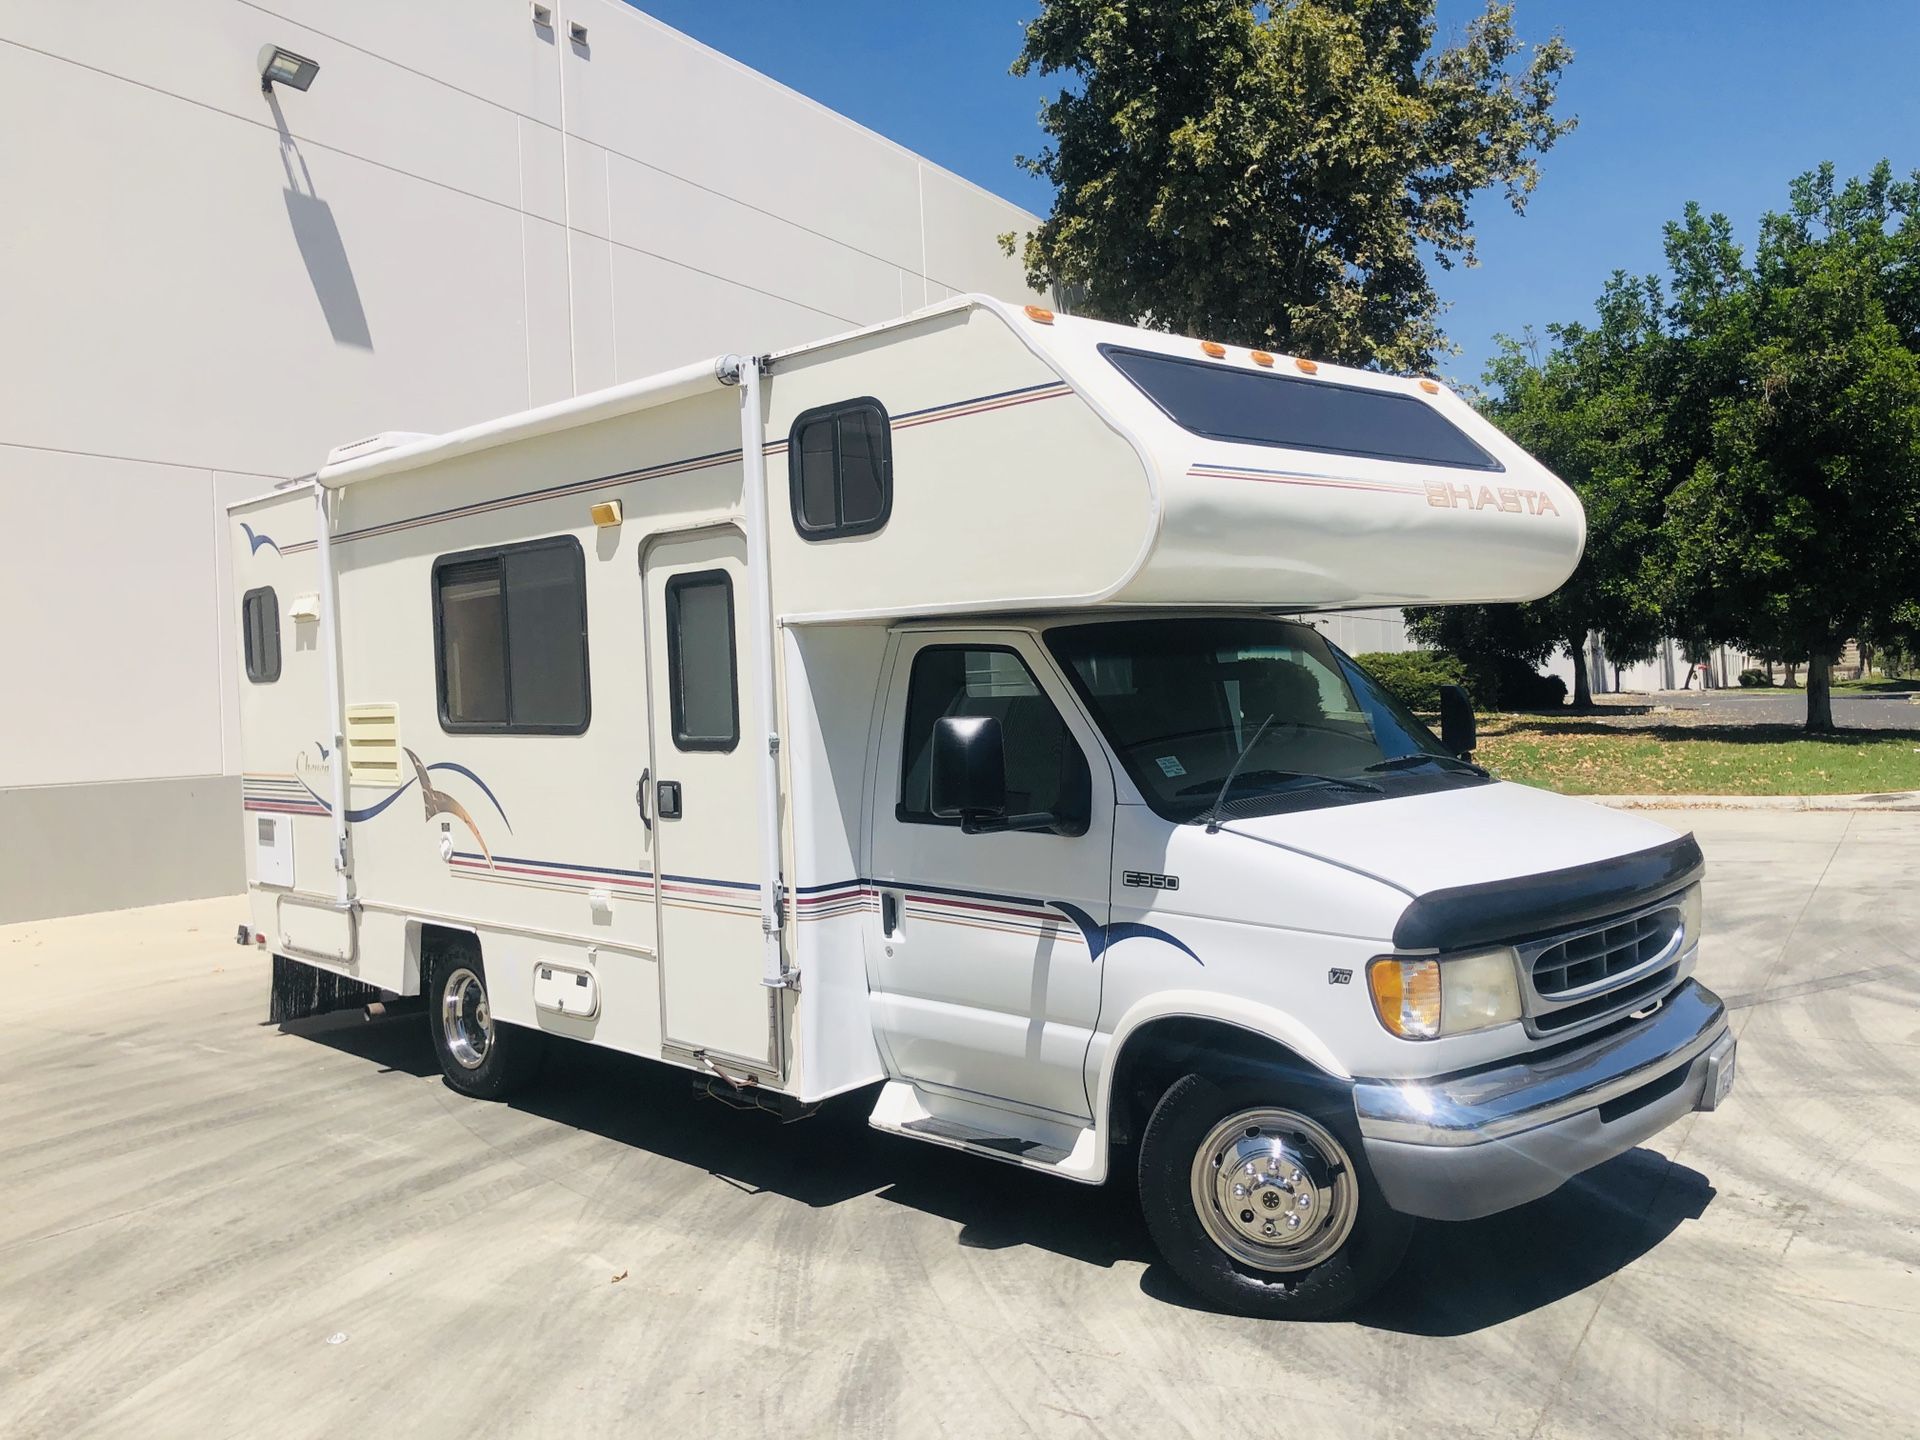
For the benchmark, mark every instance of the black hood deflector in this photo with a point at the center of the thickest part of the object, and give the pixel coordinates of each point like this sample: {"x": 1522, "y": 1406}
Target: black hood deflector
{"x": 1499, "y": 911}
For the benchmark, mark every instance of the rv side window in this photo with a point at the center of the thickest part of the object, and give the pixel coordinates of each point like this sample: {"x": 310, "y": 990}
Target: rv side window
{"x": 840, "y": 469}
{"x": 260, "y": 635}
{"x": 702, "y": 686}
{"x": 1251, "y": 408}
{"x": 1045, "y": 769}
{"x": 510, "y": 639}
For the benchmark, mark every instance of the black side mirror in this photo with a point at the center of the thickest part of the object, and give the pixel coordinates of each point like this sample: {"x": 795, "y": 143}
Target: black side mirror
{"x": 967, "y": 780}
{"x": 1459, "y": 731}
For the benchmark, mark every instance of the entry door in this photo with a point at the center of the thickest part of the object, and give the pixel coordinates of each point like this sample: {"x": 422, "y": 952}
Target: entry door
{"x": 986, "y": 965}
{"x": 701, "y": 797}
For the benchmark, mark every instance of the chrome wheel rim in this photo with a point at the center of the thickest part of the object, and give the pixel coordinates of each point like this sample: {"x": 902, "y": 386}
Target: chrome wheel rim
{"x": 1275, "y": 1190}
{"x": 465, "y": 1021}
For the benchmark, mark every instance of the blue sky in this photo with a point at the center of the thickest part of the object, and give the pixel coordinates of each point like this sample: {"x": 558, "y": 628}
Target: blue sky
{"x": 1678, "y": 99}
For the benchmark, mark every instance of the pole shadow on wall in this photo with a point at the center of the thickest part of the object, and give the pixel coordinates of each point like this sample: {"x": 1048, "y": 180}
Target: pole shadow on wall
{"x": 321, "y": 248}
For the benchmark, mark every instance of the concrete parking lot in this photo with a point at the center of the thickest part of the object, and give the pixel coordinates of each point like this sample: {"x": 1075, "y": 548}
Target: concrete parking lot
{"x": 209, "y": 1227}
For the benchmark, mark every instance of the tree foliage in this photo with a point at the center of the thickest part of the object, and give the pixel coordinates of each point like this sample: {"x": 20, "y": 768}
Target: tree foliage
{"x": 1745, "y": 438}
{"x": 1274, "y": 174}
{"x": 1796, "y": 403}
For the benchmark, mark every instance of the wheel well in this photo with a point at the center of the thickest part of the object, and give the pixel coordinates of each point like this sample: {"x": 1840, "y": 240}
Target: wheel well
{"x": 436, "y": 941}
{"x": 1161, "y": 1051}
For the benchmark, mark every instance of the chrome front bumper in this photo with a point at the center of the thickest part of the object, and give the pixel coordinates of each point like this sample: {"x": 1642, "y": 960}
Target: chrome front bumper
{"x": 1465, "y": 1145}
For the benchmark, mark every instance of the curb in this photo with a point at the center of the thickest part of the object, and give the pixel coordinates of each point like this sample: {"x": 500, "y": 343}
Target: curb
{"x": 1896, "y": 800}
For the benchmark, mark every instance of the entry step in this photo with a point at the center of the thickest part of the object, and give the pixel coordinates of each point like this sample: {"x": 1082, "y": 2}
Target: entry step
{"x": 936, "y": 1128}
{"x": 1057, "y": 1146}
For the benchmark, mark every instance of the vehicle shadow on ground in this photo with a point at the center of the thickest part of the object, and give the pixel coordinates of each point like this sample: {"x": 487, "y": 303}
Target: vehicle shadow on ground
{"x": 1457, "y": 1278}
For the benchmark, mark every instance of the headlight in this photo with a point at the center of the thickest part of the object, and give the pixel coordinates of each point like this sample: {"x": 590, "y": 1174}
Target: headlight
{"x": 1423, "y": 998}
{"x": 1690, "y": 907}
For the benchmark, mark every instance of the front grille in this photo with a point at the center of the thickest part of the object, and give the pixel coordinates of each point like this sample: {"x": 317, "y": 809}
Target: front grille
{"x": 1627, "y": 997}
{"x": 1580, "y": 962}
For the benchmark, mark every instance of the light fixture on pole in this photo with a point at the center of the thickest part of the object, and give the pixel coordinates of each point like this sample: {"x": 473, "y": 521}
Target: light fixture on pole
{"x": 280, "y": 66}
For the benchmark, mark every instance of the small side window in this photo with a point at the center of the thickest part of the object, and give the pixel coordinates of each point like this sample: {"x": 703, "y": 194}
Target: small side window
{"x": 840, "y": 469}
{"x": 260, "y": 635}
{"x": 702, "y": 681}
{"x": 1046, "y": 770}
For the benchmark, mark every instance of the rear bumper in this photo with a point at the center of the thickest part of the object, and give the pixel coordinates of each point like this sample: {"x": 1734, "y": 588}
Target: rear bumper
{"x": 1461, "y": 1146}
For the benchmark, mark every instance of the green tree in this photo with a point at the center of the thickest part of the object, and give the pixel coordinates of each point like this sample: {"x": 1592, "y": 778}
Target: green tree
{"x": 1590, "y": 411}
{"x": 1273, "y": 174}
{"x": 1796, "y": 409}
{"x": 1490, "y": 641}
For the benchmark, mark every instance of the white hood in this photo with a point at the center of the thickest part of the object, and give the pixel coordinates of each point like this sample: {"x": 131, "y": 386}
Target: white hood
{"x": 1421, "y": 843}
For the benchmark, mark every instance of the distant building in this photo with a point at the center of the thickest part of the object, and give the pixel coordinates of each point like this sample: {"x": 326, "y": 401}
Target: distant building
{"x": 204, "y": 287}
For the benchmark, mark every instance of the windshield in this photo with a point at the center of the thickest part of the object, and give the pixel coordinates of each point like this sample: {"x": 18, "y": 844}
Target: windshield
{"x": 1179, "y": 699}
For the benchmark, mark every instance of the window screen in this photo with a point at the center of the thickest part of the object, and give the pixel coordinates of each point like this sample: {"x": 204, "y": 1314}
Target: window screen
{"x": 1045, "y": 769}
{"x": 260, "y": 635}
{"x": 1223, "y": 403}
{"x": 840, "y": 460}
{"x": 701, "y": 673}
{"x": 510, "y": 628}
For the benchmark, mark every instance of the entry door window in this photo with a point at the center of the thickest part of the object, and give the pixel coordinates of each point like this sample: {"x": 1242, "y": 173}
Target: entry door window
{"x": 702, "y": 674}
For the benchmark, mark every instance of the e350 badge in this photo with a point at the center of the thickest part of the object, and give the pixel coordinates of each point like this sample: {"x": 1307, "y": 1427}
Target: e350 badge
{"x": 1147, "y": 880}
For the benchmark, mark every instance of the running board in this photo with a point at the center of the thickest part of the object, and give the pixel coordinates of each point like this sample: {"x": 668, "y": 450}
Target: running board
{"x": 1057, "y": 1147}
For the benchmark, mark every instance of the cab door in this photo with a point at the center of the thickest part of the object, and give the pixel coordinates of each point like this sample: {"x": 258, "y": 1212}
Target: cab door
{"x": 985, "y": 960}
{"x": 698, "y": 797}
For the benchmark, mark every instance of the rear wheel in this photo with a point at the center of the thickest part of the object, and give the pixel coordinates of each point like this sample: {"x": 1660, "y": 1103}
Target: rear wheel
{"x": 1257, "y": 1193}
{"x": 480, "y": 1056}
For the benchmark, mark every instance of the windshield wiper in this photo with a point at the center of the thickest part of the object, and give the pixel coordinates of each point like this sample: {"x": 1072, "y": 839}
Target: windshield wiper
{"x": 1420, "y": 757}
{"x": 1213, "y": 815}
{"x": 1339, "y": 782}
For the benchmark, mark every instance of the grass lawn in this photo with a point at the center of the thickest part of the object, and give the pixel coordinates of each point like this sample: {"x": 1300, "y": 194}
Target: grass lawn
{"x": 1583, "y": 757}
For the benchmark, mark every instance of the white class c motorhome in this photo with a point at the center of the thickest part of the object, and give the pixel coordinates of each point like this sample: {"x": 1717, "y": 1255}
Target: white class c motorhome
{"x": 929, "y": 711}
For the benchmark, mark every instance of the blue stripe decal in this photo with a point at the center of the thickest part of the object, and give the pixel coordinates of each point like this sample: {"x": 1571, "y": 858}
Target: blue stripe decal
{"x": 1100, "y": 937}
{"x": 368, "y": 812}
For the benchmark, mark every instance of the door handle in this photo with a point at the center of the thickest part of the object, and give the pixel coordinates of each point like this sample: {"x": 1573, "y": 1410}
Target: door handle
{"x": 640, "y": 798}
{"x": 666, "y": 794}
{"x": 890, "y": 914}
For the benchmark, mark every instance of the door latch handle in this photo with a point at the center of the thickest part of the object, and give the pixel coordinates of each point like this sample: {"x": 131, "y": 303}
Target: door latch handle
{"x": 640, "y": 798}
{"x": 666, "y": 793}
{"x": 890, "y": 914}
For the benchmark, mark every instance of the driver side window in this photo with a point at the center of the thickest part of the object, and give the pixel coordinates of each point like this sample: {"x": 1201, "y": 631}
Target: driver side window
{"x": 1046, "y": 770}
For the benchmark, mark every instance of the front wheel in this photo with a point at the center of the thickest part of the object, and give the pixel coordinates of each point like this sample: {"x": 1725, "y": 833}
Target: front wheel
{"x": 480, "y": 1056}
{"x": 1258, "y": 1195}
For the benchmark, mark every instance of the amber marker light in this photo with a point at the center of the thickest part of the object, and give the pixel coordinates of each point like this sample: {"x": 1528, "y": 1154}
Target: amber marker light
{"x": 607, "y": 513}
{"x": 1218, "y": 352}
{"x": 1261, "y": 357}
{"x": 1307, "y": 367}
{"x": 1432, "y": 387}
{"x": 1406, "y": 996}
{"x": 1039, "y": 314}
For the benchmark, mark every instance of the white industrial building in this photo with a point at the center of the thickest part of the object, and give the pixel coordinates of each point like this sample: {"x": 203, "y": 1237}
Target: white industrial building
{"x": 478, "y": 206}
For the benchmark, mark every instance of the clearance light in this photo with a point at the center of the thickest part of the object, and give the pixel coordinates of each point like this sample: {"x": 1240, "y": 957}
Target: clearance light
{"x": 608, "y": 513}
{"x": 1218, "y": 352}
{"x": 1432, "y": 387}
{"x": 283, "y": 67}
{"x": 1039, "y": 314}
{"x": 1307, "y": 367}
{"x": 1261, "y": 357}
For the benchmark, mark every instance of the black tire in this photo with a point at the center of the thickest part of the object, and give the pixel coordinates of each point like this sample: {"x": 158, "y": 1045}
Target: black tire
{"x": 485, "y": 1058}
{"x": 1363, "y": 1239}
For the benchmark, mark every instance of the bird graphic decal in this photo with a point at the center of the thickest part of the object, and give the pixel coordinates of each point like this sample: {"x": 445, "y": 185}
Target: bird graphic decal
{"x": 256, "y": 541}
{"x": 438, "y": 802}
